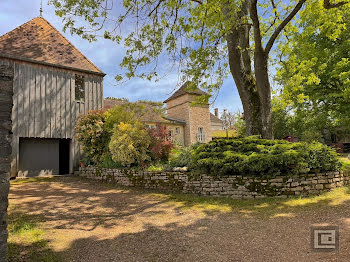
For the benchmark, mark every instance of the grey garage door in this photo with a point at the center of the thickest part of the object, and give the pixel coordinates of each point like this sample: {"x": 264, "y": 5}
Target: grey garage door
{"x": 38, "y": 156}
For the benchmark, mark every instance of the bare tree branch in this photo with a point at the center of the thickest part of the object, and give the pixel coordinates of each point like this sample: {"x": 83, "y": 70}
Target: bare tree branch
{"x": 283, "y": 25}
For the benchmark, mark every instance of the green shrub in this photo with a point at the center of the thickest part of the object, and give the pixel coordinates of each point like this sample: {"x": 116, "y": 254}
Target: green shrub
{"x": 182, "y": 157}
{"x": 254, "y": 156}
{"x": 130, "y": 144}
{"x": 126, "y": 113}
{"x": 157, "y": 167}
{"x": 109, "y": 163}
{"x": 91, "y": 135}
{"x": 321, "y": 157}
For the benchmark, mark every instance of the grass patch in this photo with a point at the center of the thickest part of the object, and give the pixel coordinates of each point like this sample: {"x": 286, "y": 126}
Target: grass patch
{"x": 345, "y": 161}
{"x": 223, "y": 134}
{"x": 20, "y": 181}
{"x": 266, "y": 207}
{"x": 27, "y": 240}
{"x": 157, "y": 167}
{"x": 344, "y": 157}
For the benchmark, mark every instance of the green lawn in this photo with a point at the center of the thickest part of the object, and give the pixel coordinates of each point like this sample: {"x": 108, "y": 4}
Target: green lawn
{"x": 222, "y": 133}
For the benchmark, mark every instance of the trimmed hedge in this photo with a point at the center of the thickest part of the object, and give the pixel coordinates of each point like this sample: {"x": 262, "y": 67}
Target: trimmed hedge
{"x": 254, "y": 156}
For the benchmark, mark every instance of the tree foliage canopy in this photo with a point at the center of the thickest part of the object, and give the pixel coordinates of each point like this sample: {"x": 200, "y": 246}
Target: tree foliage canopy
{"x": 204, "y": 40}
{"x": 316, "y": 74}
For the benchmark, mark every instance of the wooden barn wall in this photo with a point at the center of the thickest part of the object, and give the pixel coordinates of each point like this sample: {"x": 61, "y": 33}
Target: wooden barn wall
{"x": 44, "y": 103}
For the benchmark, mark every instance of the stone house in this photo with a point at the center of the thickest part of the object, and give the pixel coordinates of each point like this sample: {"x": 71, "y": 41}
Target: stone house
{"x": 53, "y": 84}
{"x": 216, "y": 122}
{"x": 187, "y": 123}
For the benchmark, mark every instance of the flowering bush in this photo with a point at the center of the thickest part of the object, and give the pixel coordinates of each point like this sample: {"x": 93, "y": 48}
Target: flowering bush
{"x": 161, "y": 145}
{"x": 129, "y": 144}
{"x": 91, "y": 135}
{"x": 126, "y": 113}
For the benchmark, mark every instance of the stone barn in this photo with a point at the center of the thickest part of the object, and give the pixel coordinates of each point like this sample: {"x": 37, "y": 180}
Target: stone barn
{"x": 53, "y": 84}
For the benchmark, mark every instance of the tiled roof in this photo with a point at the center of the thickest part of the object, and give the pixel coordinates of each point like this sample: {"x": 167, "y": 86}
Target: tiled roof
{"x": 39, "y": 42}
{"x": 213, "y": 118}
{"x": 150, "y": 114}
{"x": 110, "y": 103}
{"x": 183, "y": 90}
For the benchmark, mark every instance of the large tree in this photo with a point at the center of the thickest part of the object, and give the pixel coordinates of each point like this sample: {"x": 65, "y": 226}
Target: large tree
{"x": 316, "y": 78}
{"x": 206, "y": 39}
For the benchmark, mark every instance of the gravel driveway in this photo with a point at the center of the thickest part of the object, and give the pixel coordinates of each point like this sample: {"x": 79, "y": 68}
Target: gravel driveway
{"x": 91, "y": 221}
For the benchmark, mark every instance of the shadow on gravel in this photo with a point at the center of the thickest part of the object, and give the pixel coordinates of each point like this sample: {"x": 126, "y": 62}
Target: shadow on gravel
{"x": 137, "y": 225}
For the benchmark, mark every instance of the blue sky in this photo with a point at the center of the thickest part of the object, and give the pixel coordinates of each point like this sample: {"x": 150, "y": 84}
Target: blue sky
{"x": 107, "y": 56}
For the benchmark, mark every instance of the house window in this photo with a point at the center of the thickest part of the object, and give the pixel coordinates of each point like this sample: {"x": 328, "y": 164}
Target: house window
{"x": 171, "y": 135}
{"x": 200, "y": 134}
{"x": 79, "y": 88}
{"x": 177, "y": 130}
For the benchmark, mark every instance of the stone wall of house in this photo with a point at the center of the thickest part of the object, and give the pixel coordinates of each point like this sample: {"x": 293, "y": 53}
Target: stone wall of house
{"x": 178, "y": 133}
{"x": 178, "y": 108}
{"x": 200, "y": 117}
{"x": 194, "y": 116}
{"x": 6, "y": 92}
{"x": 237, "y": 187}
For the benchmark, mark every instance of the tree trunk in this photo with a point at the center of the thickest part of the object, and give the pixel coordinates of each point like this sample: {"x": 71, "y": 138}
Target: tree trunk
{"x": 254, "y": 91}
{"x": 264, "y": 91}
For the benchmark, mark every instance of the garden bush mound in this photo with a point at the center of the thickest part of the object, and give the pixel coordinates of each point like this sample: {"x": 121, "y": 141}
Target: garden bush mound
{"x": 255, "y": 156}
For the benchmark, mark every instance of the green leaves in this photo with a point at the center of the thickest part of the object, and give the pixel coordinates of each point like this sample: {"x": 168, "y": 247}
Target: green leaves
{"x": 315, "y": 76}
{"x": 253, "y": 156}
{"x": 91, "y": 134}
{"x": 129, "y": 144}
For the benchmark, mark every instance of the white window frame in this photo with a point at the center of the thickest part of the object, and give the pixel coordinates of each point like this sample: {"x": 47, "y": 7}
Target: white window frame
{"x": 200, "y": 134}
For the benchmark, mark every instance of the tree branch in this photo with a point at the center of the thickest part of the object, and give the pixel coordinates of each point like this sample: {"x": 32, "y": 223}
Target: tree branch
{"x": 197, "y": 1}
{"x": 276, "y": 16}
{"x": 283, "y": 25}
{"x": 328, "y": 5}
{"x": 256, "y": 24}
{"x": 155, "y": 8}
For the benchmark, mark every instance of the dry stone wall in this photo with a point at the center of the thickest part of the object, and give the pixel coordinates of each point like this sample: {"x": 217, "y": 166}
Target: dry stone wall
{"x": 6, "y": 92}
{"x": 225, "y": 186}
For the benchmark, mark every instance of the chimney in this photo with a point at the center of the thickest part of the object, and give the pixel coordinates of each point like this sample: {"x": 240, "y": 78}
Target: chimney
{"x": 216, "y": 112}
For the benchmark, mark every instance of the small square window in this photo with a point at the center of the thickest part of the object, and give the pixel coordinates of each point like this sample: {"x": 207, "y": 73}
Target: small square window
{"x": 177, "y": 130}
{"x": 79, "y": 88}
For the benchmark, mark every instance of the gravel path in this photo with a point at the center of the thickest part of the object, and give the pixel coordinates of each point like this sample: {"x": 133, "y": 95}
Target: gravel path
{"x": 90, "y": 221}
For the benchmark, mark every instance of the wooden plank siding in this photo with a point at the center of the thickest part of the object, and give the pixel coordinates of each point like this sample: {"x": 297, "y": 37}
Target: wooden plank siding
{"x": 44, "y": 103}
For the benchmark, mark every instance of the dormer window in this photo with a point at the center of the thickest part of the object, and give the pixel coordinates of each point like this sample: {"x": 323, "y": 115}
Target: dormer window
{"x": 79, "y": 88}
